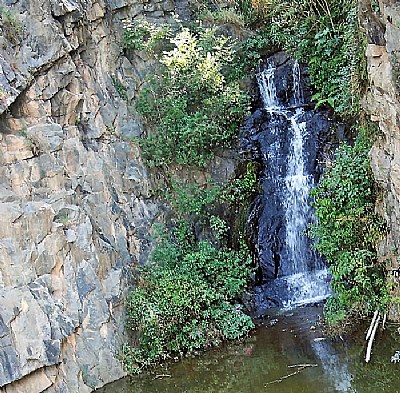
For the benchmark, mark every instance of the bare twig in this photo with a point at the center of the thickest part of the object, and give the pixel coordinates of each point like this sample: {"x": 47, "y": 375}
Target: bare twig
{"x": 383, "y": 322}
{"x": 159, "y": 376}
{"x": 301, "y": 367}
{"x": 329, "y": 14}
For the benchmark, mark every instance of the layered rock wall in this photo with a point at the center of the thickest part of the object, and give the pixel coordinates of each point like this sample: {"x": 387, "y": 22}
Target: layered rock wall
{"x": 381, "y": 21}
{"x": 75, "y": 199}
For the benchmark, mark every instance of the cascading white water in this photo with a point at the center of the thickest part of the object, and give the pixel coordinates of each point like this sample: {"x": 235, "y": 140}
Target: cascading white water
{"x": 305, "y": 280}
{"x": 266, "y": 83}
{"x": 298, "y": 186}
{"x": 297, "y": 91}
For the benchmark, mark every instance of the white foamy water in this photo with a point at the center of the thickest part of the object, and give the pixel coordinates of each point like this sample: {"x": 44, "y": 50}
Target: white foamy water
{"x": 266, "y": 83}
{"x": 303, "y": 285}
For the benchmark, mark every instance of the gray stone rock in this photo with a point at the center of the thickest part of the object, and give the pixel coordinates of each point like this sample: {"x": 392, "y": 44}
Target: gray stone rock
{"x": 9, "y": 365}
{"x": 63, "y": 7}
{"x": 46, "y": 137}
{"x": 382, "y": 103}
{"x": 116, "y": 4}
{"x": 132, "y": 129}
{"x": 76, "y": 203}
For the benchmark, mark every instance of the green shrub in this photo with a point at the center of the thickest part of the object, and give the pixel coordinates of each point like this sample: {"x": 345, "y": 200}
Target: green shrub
{"x": 229, "y": 16}
{"x": 185, "y": 302}
{"x": 191, "y": 106}
{"x": 194, "y": 199}
{"x": 323, "y": 34}
{"x": 121, "y": 89}
{"x": 347, "y": 231}
{"x": 10, "y": 25}
{"x": 143, "y": 35}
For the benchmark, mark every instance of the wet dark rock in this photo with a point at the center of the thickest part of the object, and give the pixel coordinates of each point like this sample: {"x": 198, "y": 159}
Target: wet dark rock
{"x": 266, "y": 137}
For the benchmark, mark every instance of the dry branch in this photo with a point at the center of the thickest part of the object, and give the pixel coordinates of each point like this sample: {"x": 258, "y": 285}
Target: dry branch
{"x": 301, "y": 367}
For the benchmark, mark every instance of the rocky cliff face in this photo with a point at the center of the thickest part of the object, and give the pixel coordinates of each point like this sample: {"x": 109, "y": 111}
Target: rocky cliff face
{"x": 382, "y": 101}
{"x": 76, "y": 202}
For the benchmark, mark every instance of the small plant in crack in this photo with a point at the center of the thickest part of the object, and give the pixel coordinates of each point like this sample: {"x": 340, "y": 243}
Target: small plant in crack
{"x": 10, "y": 25}
{"x": 121, "y": 89}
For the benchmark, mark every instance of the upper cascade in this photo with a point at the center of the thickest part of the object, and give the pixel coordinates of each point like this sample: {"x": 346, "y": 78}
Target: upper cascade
{"x": 297, "y": 90}
{"x": 284, "y": 136}
{"x": 266, "y": 84}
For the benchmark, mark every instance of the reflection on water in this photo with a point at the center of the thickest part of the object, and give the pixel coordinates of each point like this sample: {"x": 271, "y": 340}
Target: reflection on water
{"x": 264, "y": 363}
{"x": 333, "y": 367}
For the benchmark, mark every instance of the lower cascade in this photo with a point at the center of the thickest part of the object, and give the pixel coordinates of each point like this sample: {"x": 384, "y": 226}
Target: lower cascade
{"x": 285, "y": 136}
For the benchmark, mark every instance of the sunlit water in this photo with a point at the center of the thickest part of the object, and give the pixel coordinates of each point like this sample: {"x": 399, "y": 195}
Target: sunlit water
{"x": 287, "y": 354}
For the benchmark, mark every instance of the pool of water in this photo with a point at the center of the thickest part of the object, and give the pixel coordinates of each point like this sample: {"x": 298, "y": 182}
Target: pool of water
{"x": 288, "y": 353}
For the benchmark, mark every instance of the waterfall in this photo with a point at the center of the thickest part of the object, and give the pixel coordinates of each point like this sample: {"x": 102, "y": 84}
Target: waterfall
{"x": 298, "y": 186}
{"x": 266, "y": 83}
{"x": 298, "y": 93}
{"x": 284, "y": 134}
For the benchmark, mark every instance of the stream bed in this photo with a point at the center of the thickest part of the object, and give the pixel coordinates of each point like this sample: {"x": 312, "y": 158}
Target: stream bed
{"x": 287, "y": 353}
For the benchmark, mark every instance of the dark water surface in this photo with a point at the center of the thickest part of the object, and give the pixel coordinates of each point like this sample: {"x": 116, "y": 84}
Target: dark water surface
{"x": 287, "y": 354}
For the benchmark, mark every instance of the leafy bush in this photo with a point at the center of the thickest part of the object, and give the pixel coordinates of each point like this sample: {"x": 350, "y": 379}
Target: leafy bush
{"x": 221, "y": 16}
{"x": 187, "y": 300}
{"x": 194, "y": 199}
{"x": 143, "y": 35}
{"x": 121, "y": 89}
{"x": 191, "y": 106}
{"x": 184, "y": 302}
{"x": 325, "y": 35}
{"x": 10, "y": 25}
{"x": 347, "y": 232}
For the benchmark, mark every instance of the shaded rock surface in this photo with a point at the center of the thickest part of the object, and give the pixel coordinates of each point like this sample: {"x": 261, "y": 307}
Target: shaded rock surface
{"x": 76, "y": 203}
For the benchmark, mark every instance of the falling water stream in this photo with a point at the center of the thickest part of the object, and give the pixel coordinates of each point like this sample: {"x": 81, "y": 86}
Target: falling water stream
{"x": 288, "y": 352}
{"x": 286, "y": 141}
{"x": 298, "y": 212}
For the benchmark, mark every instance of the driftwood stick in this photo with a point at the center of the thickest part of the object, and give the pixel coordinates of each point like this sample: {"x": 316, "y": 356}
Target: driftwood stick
{"x": 384, "y": 321}
{"x": 372, "y": 325}
{"x": 285, "y": 377}
{"x": 299, "y": 370}
{"x": 158, "y": 376}
{"x": 371, "y": 340}
{"x": 303, "y": 365}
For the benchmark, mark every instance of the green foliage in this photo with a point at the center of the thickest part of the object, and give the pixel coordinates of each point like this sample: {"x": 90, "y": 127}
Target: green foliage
{"x": 143, "y": 35}
{"x": 192, "y": 106}
{"x": 241, "y": 188}
{"x": 194, "y": 199}
{"x": 375, "y": 6}
{"x": 10, "y": 25}
{"x": 121, "y": 89}
{"x": 184, "y": 303}
{"x": 221, "y": 16}
{"x": 347, "y": 232}
{"x": 187, "y": 300}
{"x": 325, "y": 35}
